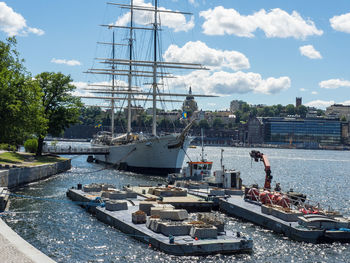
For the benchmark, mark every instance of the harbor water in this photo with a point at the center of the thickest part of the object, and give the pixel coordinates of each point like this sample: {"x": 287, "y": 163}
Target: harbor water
{"x": 67, "y": 233}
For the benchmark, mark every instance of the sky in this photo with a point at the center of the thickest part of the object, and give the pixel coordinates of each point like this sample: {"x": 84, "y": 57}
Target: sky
{"x": 259, "y": 51}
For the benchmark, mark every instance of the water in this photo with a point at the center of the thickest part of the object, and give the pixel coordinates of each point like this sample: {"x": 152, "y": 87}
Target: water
{"x": 67, "y": 233}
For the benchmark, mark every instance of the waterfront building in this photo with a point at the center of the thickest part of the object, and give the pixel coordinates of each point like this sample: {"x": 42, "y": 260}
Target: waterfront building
{"x": 339, "y": 110}
{"x": 303, "y": 133}
{"x": 309, "y": 133}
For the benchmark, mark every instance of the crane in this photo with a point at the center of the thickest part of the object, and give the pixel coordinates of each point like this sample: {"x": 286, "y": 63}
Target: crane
{"x": 256, "y": 155}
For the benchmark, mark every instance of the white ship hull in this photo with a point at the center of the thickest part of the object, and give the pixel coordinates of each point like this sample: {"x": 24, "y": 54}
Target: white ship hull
{"x": 155, "y": 156}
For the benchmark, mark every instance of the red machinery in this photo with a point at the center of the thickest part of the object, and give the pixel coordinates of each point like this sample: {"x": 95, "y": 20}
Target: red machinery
{"x": 256, "y": 155}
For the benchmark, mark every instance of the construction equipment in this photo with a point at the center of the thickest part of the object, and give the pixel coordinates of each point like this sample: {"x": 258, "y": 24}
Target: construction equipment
{"x": 256, "y": 155}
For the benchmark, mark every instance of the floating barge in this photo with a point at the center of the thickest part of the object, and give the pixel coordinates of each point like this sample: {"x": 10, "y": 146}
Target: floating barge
{"x": 321, "y": 226}
{"x": 159, "y": 224}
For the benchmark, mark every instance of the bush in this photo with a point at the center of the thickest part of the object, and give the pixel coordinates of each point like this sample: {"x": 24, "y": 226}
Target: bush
{"x": 7, "y": 147}
{"x": 31, "y": 145}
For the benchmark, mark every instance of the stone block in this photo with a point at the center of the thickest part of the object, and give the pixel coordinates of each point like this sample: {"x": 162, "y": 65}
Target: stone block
{"x": 203, "y": 232}
{"x": 267, "y": 210}
{"x": 217, "y": 192}
{"x": 155, "y": 210}
{"x": 105, "y": 194}
{"x": 173, "y": 214}
{"x": 179, "y": 229}
{"x": 117, "y": 195}
{"x": 130, "y": 194}
{"x": 113, "y": 205}
{"x": 169, "y": 192}
{"x": 291, "y": 216}
{"x": 139, "y": 217}
{"x": 153, "y": 224}
{"x": 92, "y": 188}
{"x": 145, "y": 206}
{"x": 106, "y": 187}
{"x": 233, "y": 192}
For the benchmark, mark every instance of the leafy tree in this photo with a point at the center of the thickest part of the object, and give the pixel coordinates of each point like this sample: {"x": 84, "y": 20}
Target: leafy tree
{"x": 290, "y": 109}
{"x": 301, "y": 110}
{"x": 203, "y": 124}
{"x": 217, "y": 123}
{"x": 20, "y": 108}
{"x": 61, "y": 109}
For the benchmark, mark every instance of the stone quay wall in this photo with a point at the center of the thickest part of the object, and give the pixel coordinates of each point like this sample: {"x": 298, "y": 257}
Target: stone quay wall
{"x": 15, "y": 177}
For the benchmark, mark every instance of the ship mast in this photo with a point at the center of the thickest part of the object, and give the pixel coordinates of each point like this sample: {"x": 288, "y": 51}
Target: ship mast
{"x": 137, "y": 68}
{"x": 155, "y": 28}
{"x": 130, "y": 66}
{"x": 113, "y": 86}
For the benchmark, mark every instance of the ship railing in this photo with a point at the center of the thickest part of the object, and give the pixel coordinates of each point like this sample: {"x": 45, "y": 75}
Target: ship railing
{"x": 72, "y": 150}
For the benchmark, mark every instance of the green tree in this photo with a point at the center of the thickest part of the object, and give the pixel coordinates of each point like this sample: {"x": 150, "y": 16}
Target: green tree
{"x": 301, "y": 110}
{"x": 290, "y": 109}
{"x": 218, "y": 123}
{"x": 203, "y": 124}
{"x": 20, "y": 108}
{"x": 61, "y": 109}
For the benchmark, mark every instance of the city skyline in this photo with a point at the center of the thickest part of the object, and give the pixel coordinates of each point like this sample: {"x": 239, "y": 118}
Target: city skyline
{"x": 261, "y": 52}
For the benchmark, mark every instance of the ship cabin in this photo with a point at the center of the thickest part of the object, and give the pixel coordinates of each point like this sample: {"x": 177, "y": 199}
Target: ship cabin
{"x": 199, "y": 170}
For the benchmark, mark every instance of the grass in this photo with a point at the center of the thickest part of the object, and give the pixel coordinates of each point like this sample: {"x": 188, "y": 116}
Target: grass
{"x": 27, "y": 159}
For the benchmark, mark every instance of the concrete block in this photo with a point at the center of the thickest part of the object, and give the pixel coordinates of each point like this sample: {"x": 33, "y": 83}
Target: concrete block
{"x": 145, "y": 206}
{"x": 159, "y": 207}
{"x": 267, "y": 210}
{"x": 169, "y": 192}
{"x": 203, "y": 232}
{"x": 105, "y": 194}
{"x": 117, "y": 195}
{"x": 212, "y": 219}
{"x": 130, "y": 194}
{"x": 174, "y": 214}
{"x": 291, "y": 216}
{"x": 113, "y": 205}
{"x": 174, "y": 229}
{"x": 217, "y": 192}
{"x": 234, "y": 192}
{"x": 153, "y": 224}
{"x": 92, "y": 188}
{"x": 139, "y": 217}
{"x": 106, "y": 187}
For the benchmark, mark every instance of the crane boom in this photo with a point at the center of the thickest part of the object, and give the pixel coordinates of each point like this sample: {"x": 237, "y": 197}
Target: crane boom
{"x": 258, "y": 156}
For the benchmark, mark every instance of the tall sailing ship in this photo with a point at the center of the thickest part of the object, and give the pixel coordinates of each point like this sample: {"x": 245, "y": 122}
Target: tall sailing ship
{"x": 157, "y": 154}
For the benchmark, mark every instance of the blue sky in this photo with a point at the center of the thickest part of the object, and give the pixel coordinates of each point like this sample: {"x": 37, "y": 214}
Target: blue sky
{"x": 259, "y": 51}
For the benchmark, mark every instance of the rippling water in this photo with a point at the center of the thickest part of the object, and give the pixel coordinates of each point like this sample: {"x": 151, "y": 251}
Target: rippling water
{"x": 67, "y": 233}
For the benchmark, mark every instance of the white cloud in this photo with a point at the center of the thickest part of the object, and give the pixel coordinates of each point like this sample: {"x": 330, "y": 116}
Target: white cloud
{"x": 226, "y": 83}
{"x": 177, "y": 22}
{"x": 320, "y": 104}
{"x": 314, "y": 92}
{"x": 334, "y": 84}
{"x": 302, "y": 89}
{"x": 199, "y": 52}
{"x": 310, "y": 52}
{"x": 13, "y": 23}
{"x": 66, "y": 62}
{"x": 341, "y": 23}
{"x": 275, "y": 23}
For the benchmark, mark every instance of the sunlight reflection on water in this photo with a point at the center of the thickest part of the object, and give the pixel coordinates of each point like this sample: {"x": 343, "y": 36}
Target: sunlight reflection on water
{"x": 67, "y": 233}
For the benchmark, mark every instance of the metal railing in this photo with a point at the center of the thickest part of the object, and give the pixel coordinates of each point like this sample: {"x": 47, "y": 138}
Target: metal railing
{"x": 75, "y": 150}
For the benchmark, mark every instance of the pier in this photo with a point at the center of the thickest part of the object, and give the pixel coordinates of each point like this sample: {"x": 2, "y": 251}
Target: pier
{"x": 69, "y": 150}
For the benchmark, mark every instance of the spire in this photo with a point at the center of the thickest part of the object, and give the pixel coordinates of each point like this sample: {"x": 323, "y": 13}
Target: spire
{"x": 190, "y": 91}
